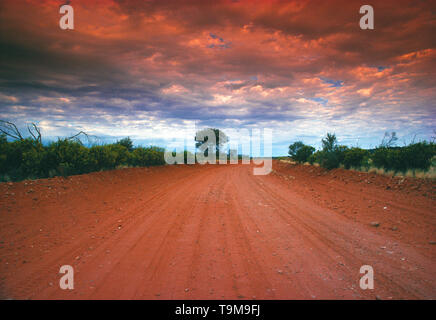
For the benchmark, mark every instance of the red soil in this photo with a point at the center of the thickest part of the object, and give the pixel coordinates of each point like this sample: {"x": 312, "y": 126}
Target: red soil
{"x": 218, "y": 232}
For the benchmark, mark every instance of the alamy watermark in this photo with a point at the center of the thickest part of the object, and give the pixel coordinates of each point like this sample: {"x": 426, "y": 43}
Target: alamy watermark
{"x": 66, "y": 22}
{"x": 67, "y": 280}
{"x": 367, "y": 20}
{"x": 226, "y": 146}
{"x": 367, "y": 280}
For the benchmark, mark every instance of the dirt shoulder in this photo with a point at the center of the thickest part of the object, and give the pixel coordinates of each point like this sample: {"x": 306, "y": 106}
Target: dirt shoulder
{"x": 403, "y": 207}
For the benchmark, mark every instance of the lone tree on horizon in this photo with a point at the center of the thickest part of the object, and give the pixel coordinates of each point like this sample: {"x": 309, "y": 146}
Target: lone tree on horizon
{"x": 202, "y": 139}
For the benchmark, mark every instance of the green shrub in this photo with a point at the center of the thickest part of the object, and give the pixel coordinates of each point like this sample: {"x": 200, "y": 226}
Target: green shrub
{"x": 332, "y": 154}
{"x": 4, "y": 146}
{"x": 17, "y": 156}
{"x": 400, "y": 159}
{"x": 416, "y": 156}
{"x": 419, "y": 155}
{"x": 148, "y": 156}
{"x": 102, "y": 158}
{"x": 121, "y": 154}
{"x": 380, "y": 157}
{"x": 341, "y": 151}
{"x": 300, "y": 152}
{"x": 315, "y": 157}
{"x": 127, "y": 143}
{"x": 329, "y": 143}
{"x": 355, "y": 157}
{"x": 329, "y": 160}
{"x": 66, "y": 157}
{"x": 28, "y": 158}
{"x": 33, "y": 161}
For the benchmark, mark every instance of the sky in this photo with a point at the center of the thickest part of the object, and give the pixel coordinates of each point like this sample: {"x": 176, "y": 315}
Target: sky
{"x": 159, "y": 70}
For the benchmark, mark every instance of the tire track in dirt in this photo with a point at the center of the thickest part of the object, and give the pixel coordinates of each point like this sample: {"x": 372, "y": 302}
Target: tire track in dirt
{"x": 287, "y": 264}
{"x": 31, "y": 280}
{"x": 138, "y": 254}
{"x": 210, "y": 232}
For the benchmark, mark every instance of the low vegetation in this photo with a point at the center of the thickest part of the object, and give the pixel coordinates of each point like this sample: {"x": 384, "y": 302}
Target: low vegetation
{"x": 29, "y": 158}
{"x": 410, "y": 159}
{"x": 300, "y": 152}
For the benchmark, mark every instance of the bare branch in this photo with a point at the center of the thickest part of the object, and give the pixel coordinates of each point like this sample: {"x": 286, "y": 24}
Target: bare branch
{"x": 77, "y": 134}
{"x": 39, "y": 139}
{"x": 10, "y": 129}
{"x": 37, "y": 136}
{"x": 414, "y": 138}
{"x": 31, "y": 133}
{"x": 77, "y": 138}
{"x": 389, "y": 139}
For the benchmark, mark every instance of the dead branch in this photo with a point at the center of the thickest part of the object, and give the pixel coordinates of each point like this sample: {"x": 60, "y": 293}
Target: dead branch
{"x": 36, "y": 137}
{"x": 38, "y": 131}
{"x": 10, "y": 129}
{"x": 77, "y": 138}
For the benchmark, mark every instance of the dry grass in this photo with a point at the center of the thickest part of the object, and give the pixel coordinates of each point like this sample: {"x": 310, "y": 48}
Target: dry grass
{"x": 420, "y": 174}
{"x": 123, "y": 166}
{"x": 288, "y": 161}
{"x": 429, "y": 174}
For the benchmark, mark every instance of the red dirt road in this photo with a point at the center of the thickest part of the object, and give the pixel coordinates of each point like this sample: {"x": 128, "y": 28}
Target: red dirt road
{"x": 218, "y": 232}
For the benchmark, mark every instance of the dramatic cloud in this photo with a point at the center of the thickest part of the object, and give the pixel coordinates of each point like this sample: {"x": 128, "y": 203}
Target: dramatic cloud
{"x": 154, "y": 69}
